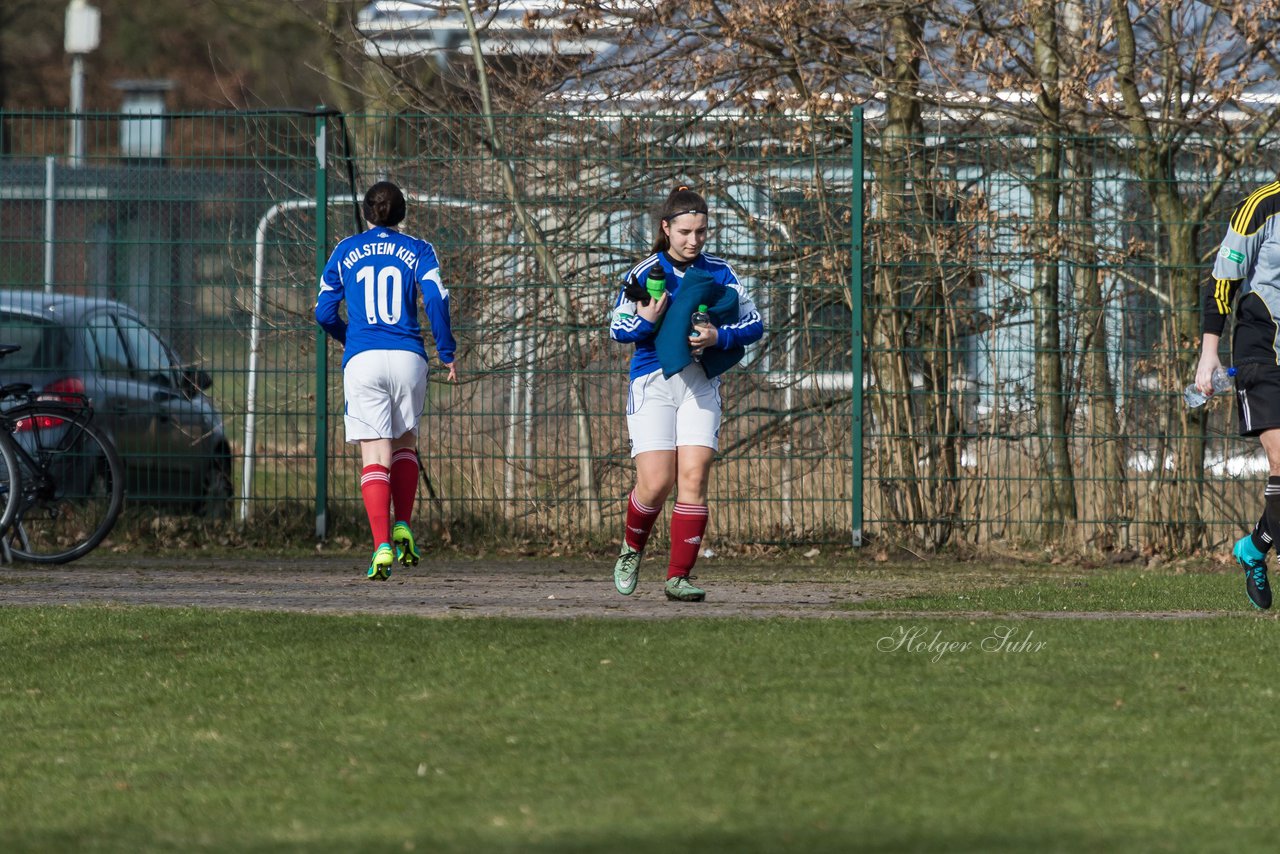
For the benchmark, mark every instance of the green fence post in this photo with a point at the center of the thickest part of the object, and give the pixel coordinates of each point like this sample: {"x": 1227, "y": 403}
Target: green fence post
{"x": 322, "y": 354}
{"x": 855, "y": 338}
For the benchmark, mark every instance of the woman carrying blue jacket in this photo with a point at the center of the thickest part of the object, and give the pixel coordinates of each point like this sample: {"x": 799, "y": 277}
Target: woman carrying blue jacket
{"x": 674, "y": 421}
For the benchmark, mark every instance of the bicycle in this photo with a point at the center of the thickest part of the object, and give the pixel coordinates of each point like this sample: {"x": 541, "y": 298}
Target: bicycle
{"x": 61, "y": 478}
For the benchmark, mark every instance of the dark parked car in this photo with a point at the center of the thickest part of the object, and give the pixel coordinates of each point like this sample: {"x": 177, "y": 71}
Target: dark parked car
{"x": 153, "y": 407}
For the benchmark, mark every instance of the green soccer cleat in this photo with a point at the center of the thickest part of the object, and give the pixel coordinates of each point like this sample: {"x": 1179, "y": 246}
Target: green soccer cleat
{"x": 626, "y": 572}
{"x": 680, "y": 590}
{"x": 380, "y": 568}
{"x": 406, "y": 548}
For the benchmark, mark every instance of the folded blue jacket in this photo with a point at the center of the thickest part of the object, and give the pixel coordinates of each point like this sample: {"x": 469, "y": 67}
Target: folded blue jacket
{"x": 672, "y": 340}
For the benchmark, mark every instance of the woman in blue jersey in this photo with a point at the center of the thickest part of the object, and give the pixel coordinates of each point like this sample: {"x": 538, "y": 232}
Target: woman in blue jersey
{"x": 380, "y": 274}
{"x": 674, "y": 420}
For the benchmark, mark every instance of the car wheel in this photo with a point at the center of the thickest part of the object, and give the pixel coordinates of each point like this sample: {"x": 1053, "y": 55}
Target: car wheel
{"x": 216, "y": 491}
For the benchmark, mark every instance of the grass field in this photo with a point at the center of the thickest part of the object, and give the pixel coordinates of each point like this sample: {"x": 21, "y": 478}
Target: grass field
{"x": 158, "y": 730}
{"x": 1125, "y": 590}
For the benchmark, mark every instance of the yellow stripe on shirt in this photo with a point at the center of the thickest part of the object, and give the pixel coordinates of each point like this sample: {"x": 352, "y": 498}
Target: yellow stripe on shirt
{"x": 1221, "y": 292}
{"x": 1244, "y": 215}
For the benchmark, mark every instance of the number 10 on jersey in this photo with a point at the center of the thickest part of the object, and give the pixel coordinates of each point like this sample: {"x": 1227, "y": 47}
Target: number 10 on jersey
{"x": 383, "y": 296}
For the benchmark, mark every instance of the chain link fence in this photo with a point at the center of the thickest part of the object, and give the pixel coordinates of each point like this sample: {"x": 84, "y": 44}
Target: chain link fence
{"x": 1020, "y": 338}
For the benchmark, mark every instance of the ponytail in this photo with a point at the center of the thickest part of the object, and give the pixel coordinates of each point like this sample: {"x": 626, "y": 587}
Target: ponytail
{"x": 681, "y": 201}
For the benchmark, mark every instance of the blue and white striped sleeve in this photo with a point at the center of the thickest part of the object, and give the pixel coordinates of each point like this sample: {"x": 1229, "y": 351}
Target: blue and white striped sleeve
{"x": 625, "y": 325}
{"x": 749, "y": 328}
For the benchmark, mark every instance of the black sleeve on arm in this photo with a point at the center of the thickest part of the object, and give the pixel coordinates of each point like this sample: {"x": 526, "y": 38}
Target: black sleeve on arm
{"x": 1215, "y": 305}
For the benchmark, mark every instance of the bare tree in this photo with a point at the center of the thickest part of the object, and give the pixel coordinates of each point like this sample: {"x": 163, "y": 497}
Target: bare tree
{"x": 1058, "y": 501}
{"x": 1166, "y": 78}
{"x": 1103, "y": 438}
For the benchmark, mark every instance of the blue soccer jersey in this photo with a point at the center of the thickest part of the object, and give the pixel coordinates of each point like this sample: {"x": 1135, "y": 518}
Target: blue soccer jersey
{"x": 380, "y": 274}
{"x": 626, "y": 326}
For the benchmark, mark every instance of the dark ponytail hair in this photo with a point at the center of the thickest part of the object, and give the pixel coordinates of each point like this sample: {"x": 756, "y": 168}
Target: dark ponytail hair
{"x": 384, "y": 205}
{"x": 681, "y": 201}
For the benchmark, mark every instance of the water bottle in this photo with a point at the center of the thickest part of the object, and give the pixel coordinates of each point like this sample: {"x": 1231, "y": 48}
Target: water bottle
{"x": 656, "y": 282}
{"x": 1221, "y": 382}
{"x": 699, "y": 317}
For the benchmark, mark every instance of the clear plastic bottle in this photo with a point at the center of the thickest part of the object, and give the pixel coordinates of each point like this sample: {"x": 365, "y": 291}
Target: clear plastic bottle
{"x": 697, "y": 318}
{"x": 1221, "y": 382}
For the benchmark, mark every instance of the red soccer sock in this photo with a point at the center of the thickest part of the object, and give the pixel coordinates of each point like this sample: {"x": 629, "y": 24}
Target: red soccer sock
{"x": 404, "y": 483}
{"x": 688, "y": 524}
{"x": 640, "y": 521}
{"x": 375, "y": 489}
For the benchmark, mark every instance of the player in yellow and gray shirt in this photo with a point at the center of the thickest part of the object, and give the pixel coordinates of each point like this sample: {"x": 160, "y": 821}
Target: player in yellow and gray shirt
{"x": 1246, "y": 273}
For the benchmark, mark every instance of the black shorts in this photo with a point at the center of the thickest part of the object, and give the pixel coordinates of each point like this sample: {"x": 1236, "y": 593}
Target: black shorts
{"x": 1258, "y": 398}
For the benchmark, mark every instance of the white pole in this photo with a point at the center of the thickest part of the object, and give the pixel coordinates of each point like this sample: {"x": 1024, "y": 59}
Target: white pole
{"x": 788, "y": 401}
{"x": 521, "y": 387}
{"x": 80, "y": 37}
{"x": 49, "y": 190}
{"x": 788, "y": 390}
{"x": 530, "y": 354}
{"x": 513, "y": 406}
{"x": 255, "y": 335}
{"x": 255, "y": 345}
{"x": 77, "y": 108}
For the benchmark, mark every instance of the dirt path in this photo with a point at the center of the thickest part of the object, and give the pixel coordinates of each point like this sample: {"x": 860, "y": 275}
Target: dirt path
{"x": 335, "y": 585}
{"x": 545, "y": 589}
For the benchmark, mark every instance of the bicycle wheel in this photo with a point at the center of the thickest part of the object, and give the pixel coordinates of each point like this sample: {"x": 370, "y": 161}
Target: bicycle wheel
{"x": 10, "y": 481}
{"x": 72, "y": 485}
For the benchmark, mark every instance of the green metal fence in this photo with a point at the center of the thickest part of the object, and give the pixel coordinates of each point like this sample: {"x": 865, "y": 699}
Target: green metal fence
{"x": 163, "y": 215}
{"x": 1002, "y": 364}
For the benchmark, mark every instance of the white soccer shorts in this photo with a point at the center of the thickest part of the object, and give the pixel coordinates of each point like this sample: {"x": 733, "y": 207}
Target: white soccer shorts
{"x": 385, "y": 392}
{"x": 663, "y": 413}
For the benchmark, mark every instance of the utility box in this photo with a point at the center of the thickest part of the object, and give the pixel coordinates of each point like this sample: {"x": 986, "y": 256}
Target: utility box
{"x": 143, "y": 127}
